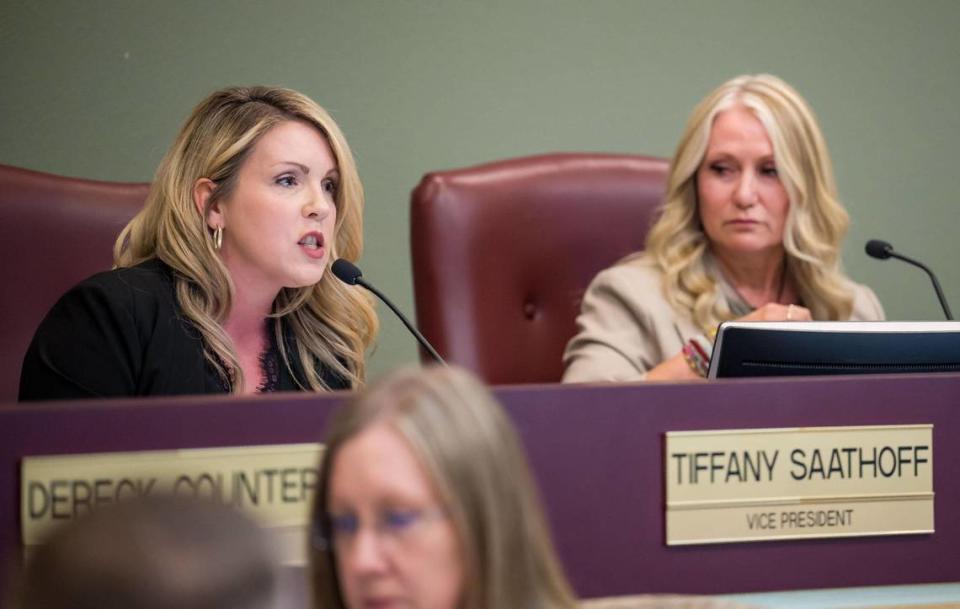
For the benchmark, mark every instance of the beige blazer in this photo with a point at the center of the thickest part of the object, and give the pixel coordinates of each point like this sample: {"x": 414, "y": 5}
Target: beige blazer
{"x": 626, "y": 326}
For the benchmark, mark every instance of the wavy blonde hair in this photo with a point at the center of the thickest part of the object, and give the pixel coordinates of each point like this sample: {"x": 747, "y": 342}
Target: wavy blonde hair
{"x": 331, "y": 322}
{"x": 816, "y": 221}
{"x": 473, "y": 455}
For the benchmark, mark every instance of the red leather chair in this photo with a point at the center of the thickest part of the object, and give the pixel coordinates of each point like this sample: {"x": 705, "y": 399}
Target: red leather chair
{"x": 54, "y": 232}
{"x": 503, "y": 252}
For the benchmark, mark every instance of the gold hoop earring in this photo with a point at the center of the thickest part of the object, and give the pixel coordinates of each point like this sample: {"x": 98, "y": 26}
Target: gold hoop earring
{"x": 218, "y": 238}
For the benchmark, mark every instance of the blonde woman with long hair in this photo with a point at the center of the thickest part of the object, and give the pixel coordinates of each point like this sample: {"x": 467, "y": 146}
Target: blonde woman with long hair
{"x": 750, "y": 229}
{"x": 221, "y": 282}
{"x": 425, "y": 501}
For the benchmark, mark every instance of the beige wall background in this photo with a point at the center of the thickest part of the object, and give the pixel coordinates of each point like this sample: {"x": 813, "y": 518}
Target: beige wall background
{"x": 99, "y": 88}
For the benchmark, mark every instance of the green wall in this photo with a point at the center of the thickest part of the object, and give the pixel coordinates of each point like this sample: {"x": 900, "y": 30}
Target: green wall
{"x": 98, "y": 89}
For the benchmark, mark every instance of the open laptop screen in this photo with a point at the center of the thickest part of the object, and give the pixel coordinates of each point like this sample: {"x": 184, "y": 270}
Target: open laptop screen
{"x": 747, "y": 349}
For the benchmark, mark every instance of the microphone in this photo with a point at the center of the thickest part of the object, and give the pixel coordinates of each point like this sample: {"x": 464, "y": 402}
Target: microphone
{"x": 881, "y": 250}
{"x": 350, "y": 274}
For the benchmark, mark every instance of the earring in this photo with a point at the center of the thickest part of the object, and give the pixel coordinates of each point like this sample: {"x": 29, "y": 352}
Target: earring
{"x": 218, "y": 238}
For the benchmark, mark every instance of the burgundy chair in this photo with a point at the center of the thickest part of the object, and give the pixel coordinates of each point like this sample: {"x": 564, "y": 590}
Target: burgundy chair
{"x": 54, "y": 232}
{"x": 503, "y": 252}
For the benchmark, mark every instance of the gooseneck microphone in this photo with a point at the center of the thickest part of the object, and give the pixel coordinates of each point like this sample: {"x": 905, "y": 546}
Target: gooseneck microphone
{"x": 350, "y": 274}
{"x": 881, "y": 250}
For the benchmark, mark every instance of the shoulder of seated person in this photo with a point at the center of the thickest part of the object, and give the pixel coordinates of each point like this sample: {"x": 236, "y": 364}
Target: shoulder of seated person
{"x": 865, "y": 301}
{"x": 147, "y": 274}
{"x": 150, "y": 279}
{"x": 634, "y": 273}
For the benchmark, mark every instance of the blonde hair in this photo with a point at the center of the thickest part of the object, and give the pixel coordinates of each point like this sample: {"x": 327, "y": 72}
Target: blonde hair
{"x": 331, "y": 322}
{"x": 816, "y": 221}
{"x": 471, "y": 451}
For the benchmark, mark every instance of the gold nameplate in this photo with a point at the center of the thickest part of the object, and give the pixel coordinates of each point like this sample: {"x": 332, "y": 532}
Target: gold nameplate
{"x": 275, "y": 484}
{"x": 766, "y": 484}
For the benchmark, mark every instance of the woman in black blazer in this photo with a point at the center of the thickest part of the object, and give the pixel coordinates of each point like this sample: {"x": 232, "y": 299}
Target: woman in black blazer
{"x": 220, "y": 283}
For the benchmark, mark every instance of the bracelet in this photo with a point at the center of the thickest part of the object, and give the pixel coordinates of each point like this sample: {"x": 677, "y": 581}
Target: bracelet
{"x": 704, "y": 346}
{"x": 697, "y": 352}
{"x": 695, "y": 358}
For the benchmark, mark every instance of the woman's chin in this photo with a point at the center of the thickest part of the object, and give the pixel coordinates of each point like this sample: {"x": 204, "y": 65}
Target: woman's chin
{"x": 304, "y": 281}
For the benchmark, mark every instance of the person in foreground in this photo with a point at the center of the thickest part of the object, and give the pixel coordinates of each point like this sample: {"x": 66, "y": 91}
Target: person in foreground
{"x": 425, "y": 501}
{"x": 750, "y": 229}
{"x": 220, "y": 282}
{"x": 154, "y": 552}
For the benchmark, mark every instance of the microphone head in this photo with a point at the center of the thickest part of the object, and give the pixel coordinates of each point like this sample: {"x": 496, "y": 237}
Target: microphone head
{"x": 346, "y": 271}
{"x": 878, "y": 249}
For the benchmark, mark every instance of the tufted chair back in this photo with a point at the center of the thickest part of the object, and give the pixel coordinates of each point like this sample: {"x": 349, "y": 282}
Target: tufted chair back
{"x": 503, "y": 252}
{"x": 54, "y": 232}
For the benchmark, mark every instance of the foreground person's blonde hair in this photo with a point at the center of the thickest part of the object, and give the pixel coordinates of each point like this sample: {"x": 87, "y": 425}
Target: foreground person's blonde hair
{"x": 330, "y": 322}
{"x": 469, "y": 448}
{"x": 816, "y": 221}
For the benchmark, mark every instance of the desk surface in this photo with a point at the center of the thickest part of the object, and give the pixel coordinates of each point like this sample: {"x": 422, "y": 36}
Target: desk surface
{"x": 597, "y": 454}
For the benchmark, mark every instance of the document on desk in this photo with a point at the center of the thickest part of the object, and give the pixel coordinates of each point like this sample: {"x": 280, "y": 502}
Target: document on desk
{"x": 798, "y": 483}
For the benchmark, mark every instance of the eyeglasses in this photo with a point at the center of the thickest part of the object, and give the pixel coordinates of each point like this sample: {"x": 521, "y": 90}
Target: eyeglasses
{"x": 395, "y": 526}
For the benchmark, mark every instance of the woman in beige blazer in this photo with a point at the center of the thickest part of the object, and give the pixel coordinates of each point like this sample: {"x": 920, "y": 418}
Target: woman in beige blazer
{"x": 750, "y": 229}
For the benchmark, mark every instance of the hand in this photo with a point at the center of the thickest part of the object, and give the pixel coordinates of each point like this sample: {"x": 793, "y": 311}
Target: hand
{"x": 773, "y": 311}
{"x": 677, "y": 369}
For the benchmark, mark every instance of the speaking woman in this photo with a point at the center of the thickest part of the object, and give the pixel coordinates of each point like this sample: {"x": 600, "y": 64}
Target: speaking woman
{"x": 221, "y": 282}
{"x": 750, "y": 229}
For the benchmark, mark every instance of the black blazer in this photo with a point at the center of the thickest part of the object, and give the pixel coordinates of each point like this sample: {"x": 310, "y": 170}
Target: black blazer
{"x": 122, "y": 333}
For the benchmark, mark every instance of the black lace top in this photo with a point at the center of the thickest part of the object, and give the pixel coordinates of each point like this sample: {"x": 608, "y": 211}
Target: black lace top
{"x": 270, "y": 365}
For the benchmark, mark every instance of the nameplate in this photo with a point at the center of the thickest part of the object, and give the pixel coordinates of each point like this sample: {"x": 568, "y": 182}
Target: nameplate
{"x": 275, "y": 484}
{"x": 799, "y": 483}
